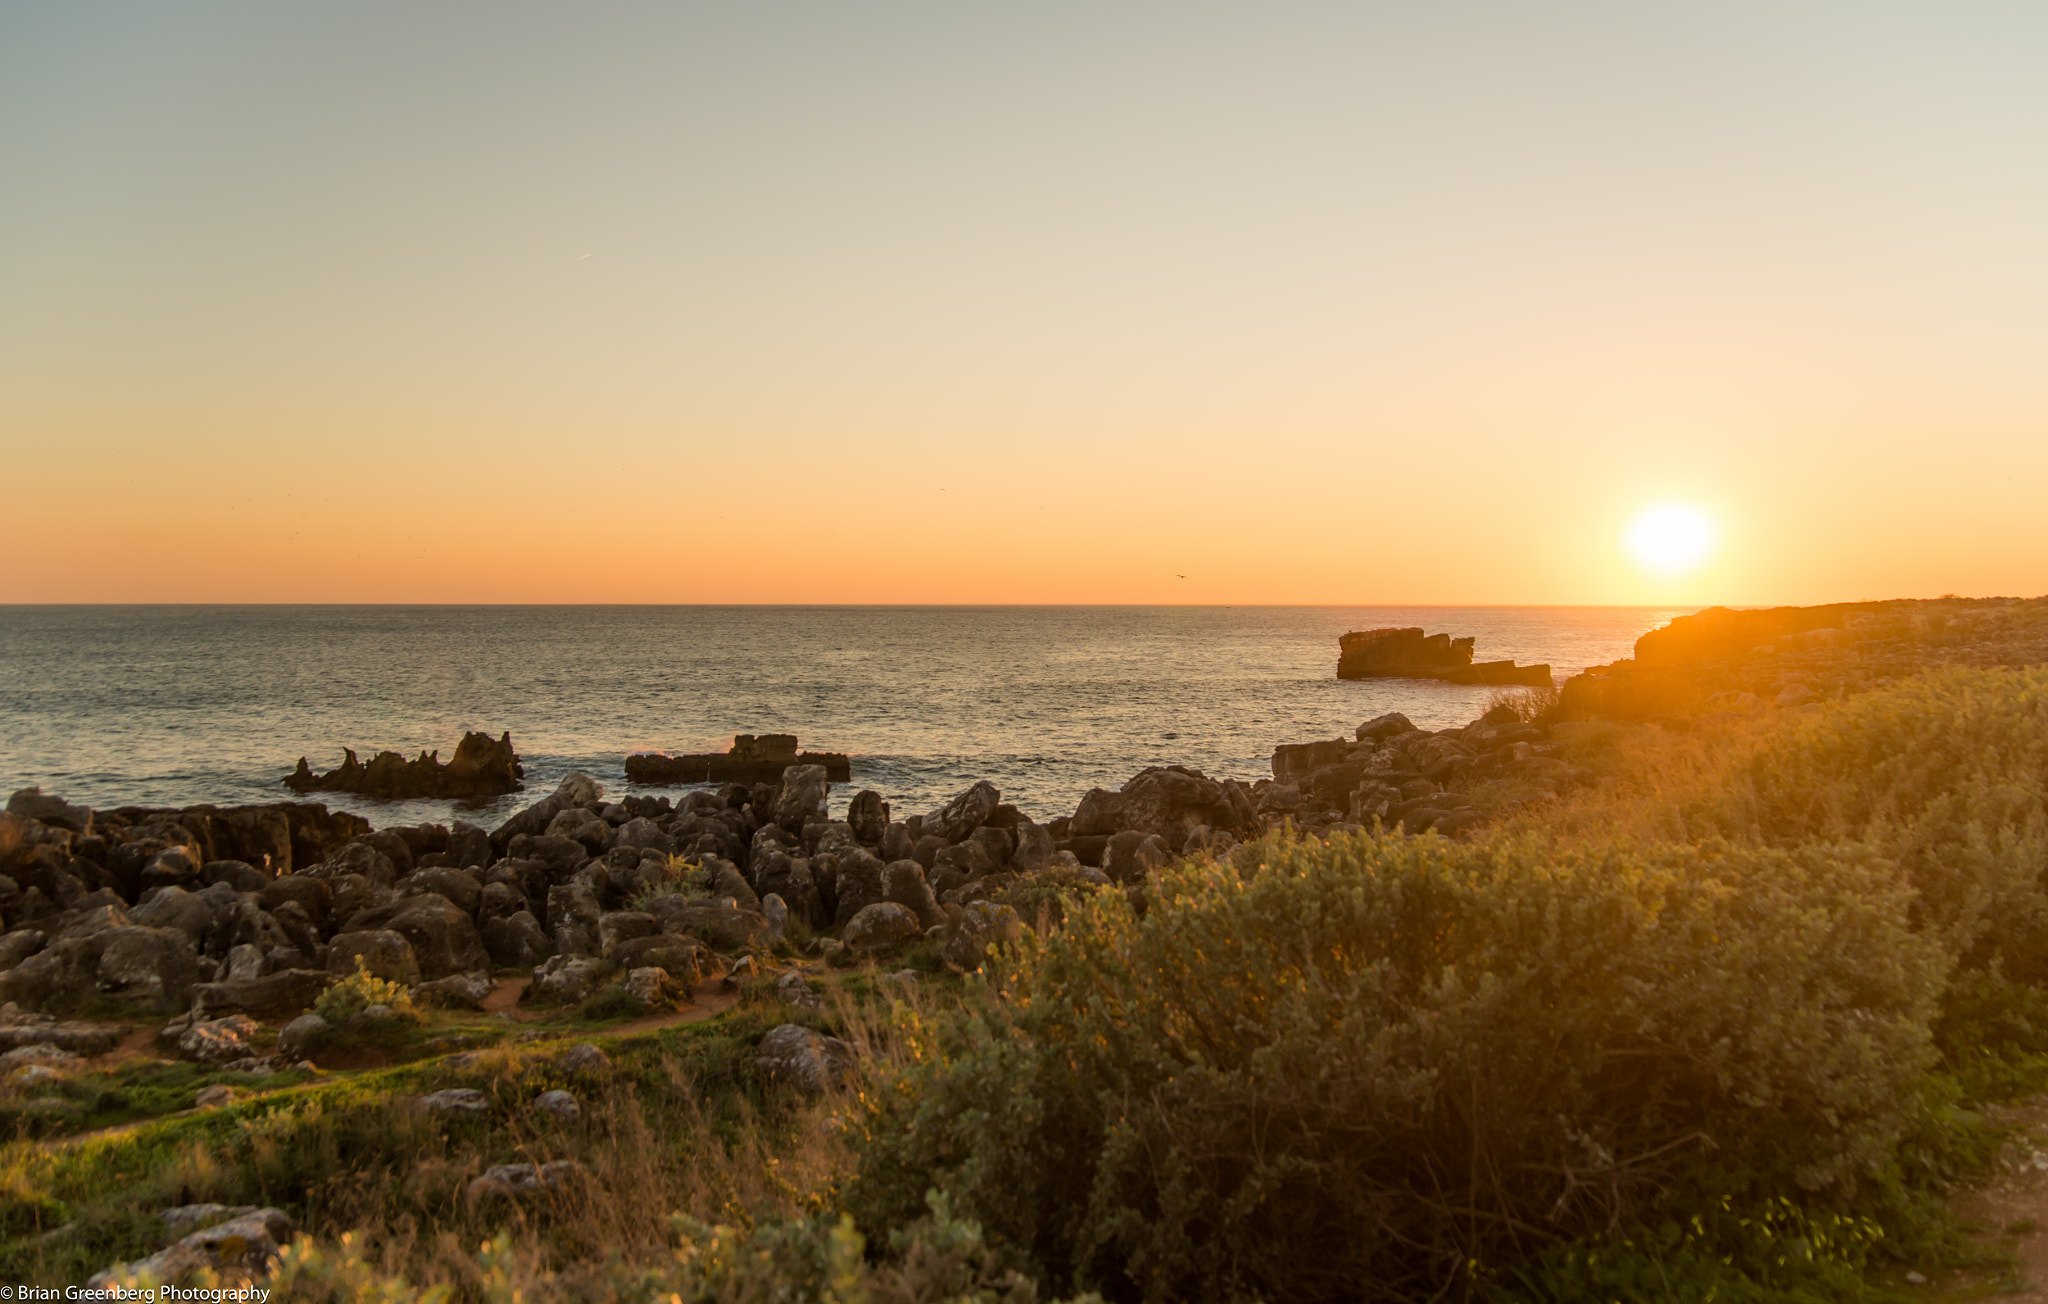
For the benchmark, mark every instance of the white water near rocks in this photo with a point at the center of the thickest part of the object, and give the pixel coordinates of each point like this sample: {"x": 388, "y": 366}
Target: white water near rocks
{"x": 176, "y": 705}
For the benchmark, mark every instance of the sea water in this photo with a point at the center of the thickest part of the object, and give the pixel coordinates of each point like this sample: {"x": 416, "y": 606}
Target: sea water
{"x": 175, "y": 705}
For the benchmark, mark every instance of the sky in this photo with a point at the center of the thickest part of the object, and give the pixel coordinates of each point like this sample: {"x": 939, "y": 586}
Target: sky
{"x": 1049, "y": 302}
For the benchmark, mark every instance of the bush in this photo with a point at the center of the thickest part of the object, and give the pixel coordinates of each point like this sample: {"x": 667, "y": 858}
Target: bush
{"x": 1946, "y": 773}
{"x": 358, "y": 992}
{"x": 1373, "y": 1067}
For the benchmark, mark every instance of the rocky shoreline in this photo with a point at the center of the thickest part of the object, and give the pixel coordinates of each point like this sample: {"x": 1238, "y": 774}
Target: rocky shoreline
{"x": 211, "y": 914}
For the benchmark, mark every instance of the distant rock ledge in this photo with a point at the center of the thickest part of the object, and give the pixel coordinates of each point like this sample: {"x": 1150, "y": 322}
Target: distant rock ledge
{"x": 752, "y": 759}
{"x": 1412, "y": 654}
{"x": 482, "y": 767}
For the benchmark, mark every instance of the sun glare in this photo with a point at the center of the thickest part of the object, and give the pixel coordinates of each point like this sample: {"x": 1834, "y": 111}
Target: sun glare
{"x": 1671, "y": 538}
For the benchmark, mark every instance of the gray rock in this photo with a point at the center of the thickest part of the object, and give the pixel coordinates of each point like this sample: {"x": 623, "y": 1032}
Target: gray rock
{"x": 185, "y": 1219}
{"x": 776, "y": 911}
{"x": 1131, "y": 854}
{"x": 805, "y": 1058}
{"x": 881, "y": 926}
{"x": 244, "y": 963}
{"x": 620, "y": 926}
{"x": 586, "y": 1058}
{"x": 299, "y": 1038}
{"x": 964, "y": 813}
{"x": 568, "y": 979}
{"x": 1382, "y": 727}
{"x": 456, "y": 1100}
{"x": 31, "y": 804}
{"x": 219, "y": 1042}
{"x": 238, "y": 1248}
{"x": 794, "y": 989}
{"x": 516, "y": 942}
{"x": 867, "y": 815}
{"x": 286, "y": 991}
{"x": 463, "y": 991}
{"x": 681, "y": 958}
{"x": 651, "y": 988}
{"x": 215, "y": 1096}
{"x": 443, "y": 939}
{"x": 383, "y": 953}
{"x": 802, "y": 797}
{"x": 904, "y": 883}
{"x": 458, "y": 886}
{"x": 154, "y": 968}
{"x": 559, "y": 1105}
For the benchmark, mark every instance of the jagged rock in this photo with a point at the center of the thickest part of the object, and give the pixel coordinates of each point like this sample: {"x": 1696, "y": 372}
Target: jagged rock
{"x": 481, "y": 767}
{"x": 801, "y": 797}
{"x": 964, "y": 813}
{"x": 805, "y": 1058}
{"x": 880, "y": 927}
{"x": 576, "y": 790}
{"x": 753, "y": 759}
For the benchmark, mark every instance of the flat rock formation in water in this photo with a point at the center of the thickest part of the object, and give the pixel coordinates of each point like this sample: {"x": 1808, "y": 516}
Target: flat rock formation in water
{"x": 1412, "y": 654}
{"x": 481, "y": 767}
{"x": 752, "y": 759}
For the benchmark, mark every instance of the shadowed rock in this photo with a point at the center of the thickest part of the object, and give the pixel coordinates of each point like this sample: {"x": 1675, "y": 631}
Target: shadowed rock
{"x": 481, "y": 767}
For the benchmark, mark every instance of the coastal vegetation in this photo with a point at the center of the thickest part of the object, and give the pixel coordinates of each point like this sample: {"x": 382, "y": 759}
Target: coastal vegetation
{"x": 1726, "y": 1019}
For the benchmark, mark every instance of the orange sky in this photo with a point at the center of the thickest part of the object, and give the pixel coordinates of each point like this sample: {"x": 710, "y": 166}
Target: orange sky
{"x": 923, "y": 304}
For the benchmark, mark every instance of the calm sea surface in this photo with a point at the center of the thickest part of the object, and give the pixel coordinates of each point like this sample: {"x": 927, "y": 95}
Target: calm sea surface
{"x": 175, "y": 705}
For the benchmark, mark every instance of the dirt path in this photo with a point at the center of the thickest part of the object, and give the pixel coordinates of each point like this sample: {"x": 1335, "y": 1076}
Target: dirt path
{"x": 2006, "y": 1216}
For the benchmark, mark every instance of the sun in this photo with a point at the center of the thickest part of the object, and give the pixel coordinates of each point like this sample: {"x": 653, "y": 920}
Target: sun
{"x": 1671, "y": 538}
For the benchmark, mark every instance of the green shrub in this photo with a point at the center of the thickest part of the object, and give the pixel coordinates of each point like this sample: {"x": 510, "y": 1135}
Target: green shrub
{"x": 1948, "y": 774}
{"x": 358, "y": 992}
{"x": 1375, "y": 1067}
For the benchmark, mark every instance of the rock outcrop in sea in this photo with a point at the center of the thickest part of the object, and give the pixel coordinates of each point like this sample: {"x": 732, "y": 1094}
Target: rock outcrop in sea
{"x": 481, "y": 767}
{"x": 753, "y": 759}
{"x": 1412, "y": 654}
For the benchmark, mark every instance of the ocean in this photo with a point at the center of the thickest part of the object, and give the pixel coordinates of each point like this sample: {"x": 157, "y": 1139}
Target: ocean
{"x": 176, "y": 705}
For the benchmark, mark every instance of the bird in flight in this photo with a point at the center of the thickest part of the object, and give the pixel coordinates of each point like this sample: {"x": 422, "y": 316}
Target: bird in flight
{"x": 1180, "y": 577}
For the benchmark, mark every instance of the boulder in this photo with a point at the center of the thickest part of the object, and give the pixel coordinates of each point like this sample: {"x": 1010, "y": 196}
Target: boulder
{"x": 516, "y": 941}
{"x": 219, "y": 1042}
{"x": 805, "y": 1058}
{"x": 31, "y": 804}
{"x": 575, "y": 790}
{"x": 881, "y": 927}
{"x": 1132, "y": 853}
{"x": 867, "y": 815}
{"x": 381, "y": 952}
{"x": 298, "y": 1039}
{"x": 443, "y": 939}
{"x": 723, "y": 928}
{"x": 458, "y": 886}
{"x": 568, "y": 979}
{"x": 463, "y": 991}
{"x": 904, "y": 883}
{"x": 558, "y": 1105}
{"x": 802, "y": 797}
{"x": 155, "y": 968}
{"x": 274, "y": 995}
{"x": 236, "y": 1249}
{"x": 456, "y": 1100}
{"x": 510, "y": 1181}
{"x": 964, "y": 814}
